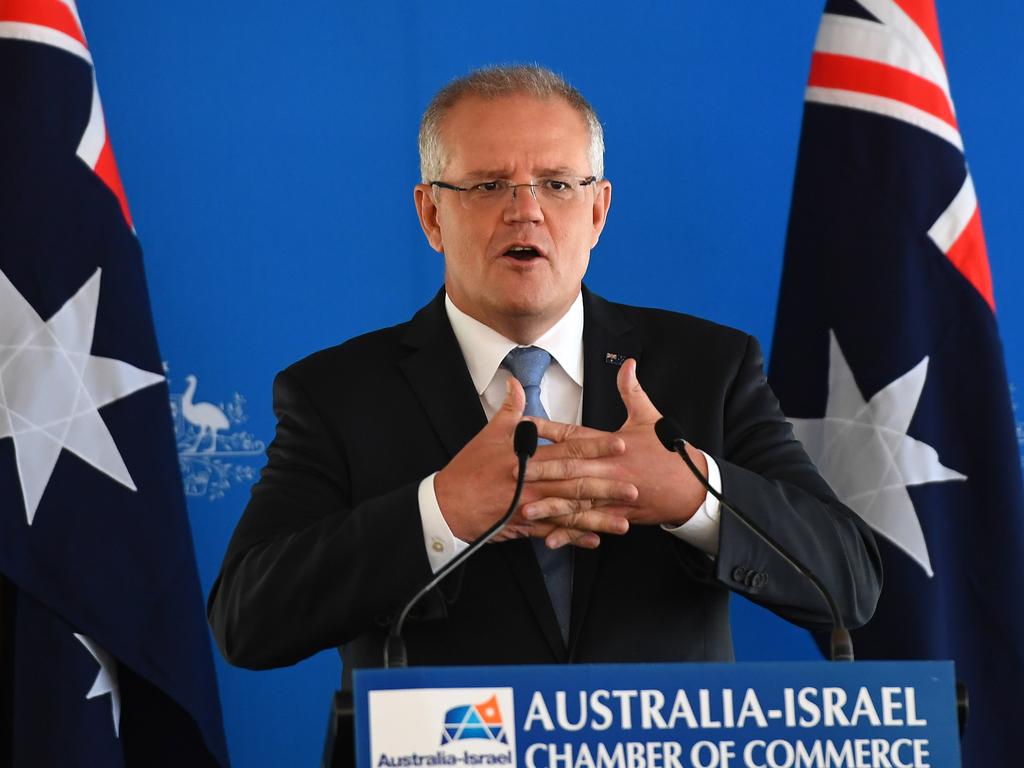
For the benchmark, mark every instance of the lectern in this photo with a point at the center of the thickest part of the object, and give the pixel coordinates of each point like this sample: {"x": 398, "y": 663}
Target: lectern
{"x": 754, "y": 715}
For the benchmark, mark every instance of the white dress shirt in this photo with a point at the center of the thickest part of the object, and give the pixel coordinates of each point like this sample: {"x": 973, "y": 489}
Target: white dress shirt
{"x": 561, "y": 393}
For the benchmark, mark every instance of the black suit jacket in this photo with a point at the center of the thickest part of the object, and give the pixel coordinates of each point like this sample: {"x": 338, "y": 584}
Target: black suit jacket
{"x": 331, "y": 544}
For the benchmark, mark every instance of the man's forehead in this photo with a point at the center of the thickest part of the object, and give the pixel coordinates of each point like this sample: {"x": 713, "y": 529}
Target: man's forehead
{"x": 497, "y": 136}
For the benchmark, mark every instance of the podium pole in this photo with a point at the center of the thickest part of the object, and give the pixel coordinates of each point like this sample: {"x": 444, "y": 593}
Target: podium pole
{"x": 340, "y": 743}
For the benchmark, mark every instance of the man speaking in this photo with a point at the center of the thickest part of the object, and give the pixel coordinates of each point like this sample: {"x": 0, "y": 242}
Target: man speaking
{"x": 394, "y": 449}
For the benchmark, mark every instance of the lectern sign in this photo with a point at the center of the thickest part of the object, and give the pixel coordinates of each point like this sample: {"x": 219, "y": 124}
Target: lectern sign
{"x": 442, "y": 726}
{"x": 787, "y": 715}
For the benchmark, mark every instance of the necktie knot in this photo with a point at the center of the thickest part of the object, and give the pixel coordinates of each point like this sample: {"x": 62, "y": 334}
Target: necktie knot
{"x": 527, "y": 364}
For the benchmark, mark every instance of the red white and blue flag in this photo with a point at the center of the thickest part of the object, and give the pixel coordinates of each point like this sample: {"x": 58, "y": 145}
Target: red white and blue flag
{"x": 105, "y": 656}
{"x": 887, "y": 356}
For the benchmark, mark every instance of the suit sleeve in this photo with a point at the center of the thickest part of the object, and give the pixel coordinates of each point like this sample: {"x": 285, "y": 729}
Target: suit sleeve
{"x": 767, "y": 475}
{"x": 307, "y": 570}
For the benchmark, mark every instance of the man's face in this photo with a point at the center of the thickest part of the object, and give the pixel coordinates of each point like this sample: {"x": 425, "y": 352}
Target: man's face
{"x": 520, "y": 293}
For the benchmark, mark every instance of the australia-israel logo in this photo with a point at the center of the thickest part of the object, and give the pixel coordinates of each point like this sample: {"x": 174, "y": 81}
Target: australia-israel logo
{"x": 478, "y": 721}
{"x": 442, "y": 726}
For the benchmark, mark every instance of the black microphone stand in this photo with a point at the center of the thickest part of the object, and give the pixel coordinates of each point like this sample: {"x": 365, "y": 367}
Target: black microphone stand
{"x": 842, "y": 645}
{"x": 339, "y": 745}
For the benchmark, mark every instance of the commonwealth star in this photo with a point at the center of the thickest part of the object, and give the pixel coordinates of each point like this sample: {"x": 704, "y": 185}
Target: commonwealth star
{"x": 52, "y": 387}
{"x": 864, "y": 452}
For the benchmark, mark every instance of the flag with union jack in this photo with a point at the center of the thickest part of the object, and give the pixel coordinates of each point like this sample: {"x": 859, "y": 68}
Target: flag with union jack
{"x": 887, "y": 357}
{"x": 105, "y": 657}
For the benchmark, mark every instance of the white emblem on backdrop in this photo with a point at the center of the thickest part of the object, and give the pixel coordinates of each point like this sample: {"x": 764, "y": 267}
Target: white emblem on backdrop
{"x": 214, "y": 454}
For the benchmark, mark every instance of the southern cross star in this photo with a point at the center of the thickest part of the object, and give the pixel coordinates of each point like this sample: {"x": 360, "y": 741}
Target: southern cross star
{"x": 106, "y": 679}
{"x": 864, "y": 452}
{"x": 51, "y": 388}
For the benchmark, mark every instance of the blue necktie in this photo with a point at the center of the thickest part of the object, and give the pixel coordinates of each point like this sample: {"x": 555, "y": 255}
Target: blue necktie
{"x": 528, "y": 364}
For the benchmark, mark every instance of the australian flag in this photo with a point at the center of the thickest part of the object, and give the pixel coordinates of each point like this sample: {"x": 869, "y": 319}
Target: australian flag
{"x": 105, "y": 654}
{"x": 887, "y": 355}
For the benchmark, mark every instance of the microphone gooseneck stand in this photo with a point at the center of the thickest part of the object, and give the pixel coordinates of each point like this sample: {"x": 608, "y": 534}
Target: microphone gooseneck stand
{"x": 671, "y": 437}
{"x": 339, "y": 745}
{"x": 524, "y": 443}
{"x": 841, "y": 649}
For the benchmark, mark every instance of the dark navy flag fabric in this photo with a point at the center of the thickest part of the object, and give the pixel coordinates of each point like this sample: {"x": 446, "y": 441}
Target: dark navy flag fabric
{"x": 107, "y": 654}
{"x": 887, "y": 357}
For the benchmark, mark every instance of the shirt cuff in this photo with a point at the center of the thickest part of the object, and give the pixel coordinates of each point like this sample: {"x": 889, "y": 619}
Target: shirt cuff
{"x": 440, "y": 542}
{"x": 701, "y": 530}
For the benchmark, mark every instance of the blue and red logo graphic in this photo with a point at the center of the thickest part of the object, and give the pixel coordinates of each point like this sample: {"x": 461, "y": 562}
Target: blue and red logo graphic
{"x": 474, "y": 721}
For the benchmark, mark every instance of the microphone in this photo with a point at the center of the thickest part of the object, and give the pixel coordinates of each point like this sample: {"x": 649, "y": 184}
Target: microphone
{"x": 671, "y": 436}
{"x": 524, "y": 443}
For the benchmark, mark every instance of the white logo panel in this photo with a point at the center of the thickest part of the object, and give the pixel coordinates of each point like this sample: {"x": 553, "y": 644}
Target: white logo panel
{"x": 452, "y": 725}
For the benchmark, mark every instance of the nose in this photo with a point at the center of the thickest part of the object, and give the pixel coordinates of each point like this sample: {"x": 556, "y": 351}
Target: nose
{"x": 524, "y": 205}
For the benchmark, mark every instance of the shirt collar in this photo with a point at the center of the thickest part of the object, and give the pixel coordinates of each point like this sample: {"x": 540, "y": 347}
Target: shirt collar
{"x": 484, "y": 348}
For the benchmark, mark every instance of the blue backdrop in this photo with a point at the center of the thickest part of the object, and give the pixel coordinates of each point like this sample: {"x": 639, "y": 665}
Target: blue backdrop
{"x": 269, "y": 153}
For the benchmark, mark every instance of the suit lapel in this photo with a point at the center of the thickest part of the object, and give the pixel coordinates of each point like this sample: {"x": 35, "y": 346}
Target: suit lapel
{"x": 608, "y": 339}
{"x": 606, "y": 332}
{"x": 439, "y": 377}
{"x": 438, "y": 374}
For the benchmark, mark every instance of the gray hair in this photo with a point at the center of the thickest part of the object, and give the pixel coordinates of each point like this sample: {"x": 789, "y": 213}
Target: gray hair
{"x": 494, "y": 82}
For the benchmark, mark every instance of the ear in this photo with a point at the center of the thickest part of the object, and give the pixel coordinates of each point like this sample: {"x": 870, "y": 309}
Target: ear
{"x": 426, "y": 209}
{"x": 602, "y": 201}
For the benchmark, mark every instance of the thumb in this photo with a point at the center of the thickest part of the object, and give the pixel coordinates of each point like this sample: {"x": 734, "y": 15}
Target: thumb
{"x": 512, "y": 407}
{"x": 639, "y": 408}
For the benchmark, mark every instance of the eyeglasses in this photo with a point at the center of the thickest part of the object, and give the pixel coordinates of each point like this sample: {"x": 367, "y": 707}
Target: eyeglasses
{"x": 556, "y": 192}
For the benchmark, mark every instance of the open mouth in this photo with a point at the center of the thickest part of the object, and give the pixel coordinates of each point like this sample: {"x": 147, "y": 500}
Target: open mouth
{"x": 522, "y": 253}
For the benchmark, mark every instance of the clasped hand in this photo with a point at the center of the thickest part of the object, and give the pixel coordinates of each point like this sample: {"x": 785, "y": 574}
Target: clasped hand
{"x": 587, "y": 482}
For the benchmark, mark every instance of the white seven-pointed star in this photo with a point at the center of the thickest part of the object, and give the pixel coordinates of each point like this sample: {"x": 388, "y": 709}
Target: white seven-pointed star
{"x": 51, "y": 388}
{"x": 864, "y": 452}
{"x": 106, "y": 679}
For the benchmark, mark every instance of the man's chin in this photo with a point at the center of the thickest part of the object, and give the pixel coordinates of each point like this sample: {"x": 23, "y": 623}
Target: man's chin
{"x": 531, "y": 311}
{"x": 525, "y": 304}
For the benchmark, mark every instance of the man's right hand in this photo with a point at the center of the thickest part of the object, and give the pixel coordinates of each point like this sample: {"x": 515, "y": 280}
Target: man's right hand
{"x": 476, "y": 487}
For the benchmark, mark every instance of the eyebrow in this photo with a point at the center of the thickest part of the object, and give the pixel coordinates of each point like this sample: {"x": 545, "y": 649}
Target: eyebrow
{"x": 562, "y": 170}
{"x": 504, "y": 173}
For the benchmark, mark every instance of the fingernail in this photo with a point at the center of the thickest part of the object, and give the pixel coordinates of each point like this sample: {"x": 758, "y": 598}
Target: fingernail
{"x": 508, "y": 386}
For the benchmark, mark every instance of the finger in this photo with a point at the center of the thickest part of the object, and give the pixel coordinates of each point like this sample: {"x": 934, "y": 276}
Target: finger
{"x": 578, "y": 514}
{"x": 586, "y": 539}
{"x": 512, "y": 407}
{"x": 575, "y": 458}
{"x": 509, "y": 533}
{"x": 557, "y": 432}
{"x": 567, "y": 536}
{"x": 598, "y": 446}
{"x": 584, "y": 488}
{"x": 639, "y": 408}
{"x": 565, "y": 469}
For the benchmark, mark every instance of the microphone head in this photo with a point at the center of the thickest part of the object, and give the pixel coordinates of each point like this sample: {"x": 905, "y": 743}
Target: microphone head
{"x": 525, "y": 441}
{"x": 669, "y": 432}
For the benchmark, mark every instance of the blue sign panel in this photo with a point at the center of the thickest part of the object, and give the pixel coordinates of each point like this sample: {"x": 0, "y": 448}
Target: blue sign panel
{"x": 781, "y": 715}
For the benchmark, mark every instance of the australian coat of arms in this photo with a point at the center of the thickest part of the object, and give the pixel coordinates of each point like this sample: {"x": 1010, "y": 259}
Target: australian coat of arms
{"x": 212, "y": 451}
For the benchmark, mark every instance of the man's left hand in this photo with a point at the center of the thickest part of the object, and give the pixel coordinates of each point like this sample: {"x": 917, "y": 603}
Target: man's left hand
{"x": 668, "y": 493}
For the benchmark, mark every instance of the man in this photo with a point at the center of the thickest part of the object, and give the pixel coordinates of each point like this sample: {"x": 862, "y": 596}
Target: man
{"x": 394, "y": 449}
